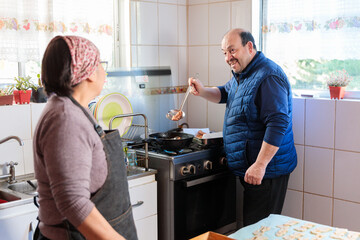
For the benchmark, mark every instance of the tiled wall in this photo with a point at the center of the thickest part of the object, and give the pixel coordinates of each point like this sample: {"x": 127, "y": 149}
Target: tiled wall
{"x": 186, "y": 36}
{"x": 159, "y": 38}
{"x": 324, "y": 186}
{"x": 18, "y": 120}
{"x": 208, "y": 21}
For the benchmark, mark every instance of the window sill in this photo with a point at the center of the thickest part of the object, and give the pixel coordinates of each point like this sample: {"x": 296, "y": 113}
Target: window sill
{"x": 302, "y": 93}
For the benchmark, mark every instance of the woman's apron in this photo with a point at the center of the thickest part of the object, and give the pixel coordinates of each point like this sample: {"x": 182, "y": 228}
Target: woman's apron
{"x": 112, "y": 199}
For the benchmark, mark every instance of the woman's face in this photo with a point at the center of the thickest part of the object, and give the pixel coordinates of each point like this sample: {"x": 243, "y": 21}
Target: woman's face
{"x": 100, "y": 76}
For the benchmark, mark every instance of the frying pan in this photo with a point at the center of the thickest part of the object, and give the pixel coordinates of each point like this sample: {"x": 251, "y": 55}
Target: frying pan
{"x": 172, "y": 141}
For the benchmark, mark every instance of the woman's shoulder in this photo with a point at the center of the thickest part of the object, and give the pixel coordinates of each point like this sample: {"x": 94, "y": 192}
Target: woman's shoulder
{"x": 61, "y": 112}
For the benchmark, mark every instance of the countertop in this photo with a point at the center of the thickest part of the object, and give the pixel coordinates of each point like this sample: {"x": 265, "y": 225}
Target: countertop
{"x": 133, "y": 173}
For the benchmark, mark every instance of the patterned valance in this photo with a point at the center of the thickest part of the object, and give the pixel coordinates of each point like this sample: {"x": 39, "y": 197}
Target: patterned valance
{"x": 26, "y": 26}
{"x": 312, "y": 25}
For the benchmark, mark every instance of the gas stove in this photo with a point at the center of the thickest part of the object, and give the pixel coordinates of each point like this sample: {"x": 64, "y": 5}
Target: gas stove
{"x": 189, "y": 162}
{"x": 186, "y": 180}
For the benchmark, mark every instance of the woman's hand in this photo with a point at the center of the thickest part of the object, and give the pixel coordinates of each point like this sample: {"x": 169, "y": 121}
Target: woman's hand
{"x": 95, "y": 227}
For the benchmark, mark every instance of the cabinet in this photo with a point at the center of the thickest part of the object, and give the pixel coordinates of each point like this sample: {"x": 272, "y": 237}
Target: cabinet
{"x": 15, "y": 222}
{"x": 143, "y": 196}
{"x": 19, "y": 222}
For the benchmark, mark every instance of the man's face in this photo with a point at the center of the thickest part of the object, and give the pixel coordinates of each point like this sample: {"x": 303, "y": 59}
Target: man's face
{"x": 236, "y": 55}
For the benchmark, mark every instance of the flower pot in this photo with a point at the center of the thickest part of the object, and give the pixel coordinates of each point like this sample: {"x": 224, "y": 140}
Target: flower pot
{"x": 337, "y": 92}
{"x": 22, "y": 96}
{"x": 6, "y": 100}
{"x": 38, "y": 96}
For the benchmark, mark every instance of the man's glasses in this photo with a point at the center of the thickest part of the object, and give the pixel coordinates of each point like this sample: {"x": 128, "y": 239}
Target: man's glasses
{"x": 104, "y": 64}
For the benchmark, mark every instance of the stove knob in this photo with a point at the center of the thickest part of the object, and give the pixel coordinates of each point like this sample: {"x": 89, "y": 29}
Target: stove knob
{"x": 207, "y": 165}
{"x": 223, "y": 161}
{"x": 189, "y": 169}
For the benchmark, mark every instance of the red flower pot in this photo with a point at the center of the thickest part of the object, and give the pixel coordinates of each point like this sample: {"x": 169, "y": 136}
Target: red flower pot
{"x": 22, "y": 96}
{"x": 6, "y": 100}
{"x": 337, "y": 92}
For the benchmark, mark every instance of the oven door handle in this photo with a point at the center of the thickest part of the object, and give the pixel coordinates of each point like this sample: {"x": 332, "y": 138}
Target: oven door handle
{"x": 205, "y": 179}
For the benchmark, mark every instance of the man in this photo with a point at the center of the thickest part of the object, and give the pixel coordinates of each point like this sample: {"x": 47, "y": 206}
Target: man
{"x": 258, "y": 137}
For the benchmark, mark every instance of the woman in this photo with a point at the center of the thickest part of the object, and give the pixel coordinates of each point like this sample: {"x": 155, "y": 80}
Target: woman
{"x": 82, "y": 184}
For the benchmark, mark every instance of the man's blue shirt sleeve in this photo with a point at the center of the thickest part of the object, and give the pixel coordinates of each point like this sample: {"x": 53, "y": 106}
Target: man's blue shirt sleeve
{"x": 272, "y": 102}
{"x": 224, "y": 90}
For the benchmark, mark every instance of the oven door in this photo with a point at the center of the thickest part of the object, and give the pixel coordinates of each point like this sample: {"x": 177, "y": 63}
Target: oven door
{"x": 204, "y": 204}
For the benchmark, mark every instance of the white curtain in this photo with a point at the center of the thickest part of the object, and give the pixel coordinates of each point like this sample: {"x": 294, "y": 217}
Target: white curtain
{"x": 302, "y": 29}
{"x": 26, "y": 26}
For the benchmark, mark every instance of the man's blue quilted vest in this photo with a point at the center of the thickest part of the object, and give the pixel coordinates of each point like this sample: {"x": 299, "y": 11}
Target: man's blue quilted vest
{"x": 244, "y": 132}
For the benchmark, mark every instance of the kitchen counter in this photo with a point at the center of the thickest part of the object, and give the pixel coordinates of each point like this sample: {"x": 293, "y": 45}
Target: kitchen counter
{"x": 139, "y": 172}
{"x": 18, "y": 198}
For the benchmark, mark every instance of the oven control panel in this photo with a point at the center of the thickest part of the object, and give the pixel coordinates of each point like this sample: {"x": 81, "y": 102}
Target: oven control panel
{"x": 199, "y": 167}
{"x": 187, "y": 170}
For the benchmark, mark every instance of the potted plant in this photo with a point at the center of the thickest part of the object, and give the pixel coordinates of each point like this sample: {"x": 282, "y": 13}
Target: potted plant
{"x": 7, "y": 96}
{"x": 38, "y": 94}
{"x": 22, "y": 94}
{"x": 337, "y": 82}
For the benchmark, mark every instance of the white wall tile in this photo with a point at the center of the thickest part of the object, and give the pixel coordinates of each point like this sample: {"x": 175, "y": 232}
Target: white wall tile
{"x": 219, "y": 70}
{"x": 215, "y": 116}
{"x": 183, "y": 66}
{"x": 347, "y": 129}
{"x": 199, "y": 25}
{"x": 17, "y": 121}
{"x": 346, "y": 215}
{"x": 296, "y": 180}
{"x": 11, "y": 151}
{"x": 198, "y": 63}
{"x": 317, "y": 209}
{"x": 182, "y": 23}
{"x": 197, "y": 112}
{"x": 148, "y": 56}
{"x": 36, "y": 110}
{"x": 219, "y": 21}
{"x": 347, "y": 177}
{"x": 192, "y": 2}
{"x": 147, "y": 23}
{"x": 133, "y": 28}
{"x": 28, "y": 157}
{"x": 169, "y": 57}
{"x": 168, "y": 25}
{"x": 241, "y": 14}
{"x": 318, "y": 171}
{"x": 134, "y": 56}
{"x": 293, "y": 205}
{"x": 212, "y": 1}
{"x": 168, "y": 1}
{"x": 319, "y": 122}
{"x": 299, "y": 120}
{"x": 182, "y": 2}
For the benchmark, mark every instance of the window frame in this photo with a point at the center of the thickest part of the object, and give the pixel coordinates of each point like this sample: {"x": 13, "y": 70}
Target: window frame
{"x": 118, "y": 59}
{"x": 349, "y": 94}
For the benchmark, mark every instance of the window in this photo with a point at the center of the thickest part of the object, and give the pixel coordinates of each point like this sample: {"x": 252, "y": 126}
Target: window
{"x": 311, "y": 39}
{"x": 7, "y": 72}
{"x": 26, "y": 27}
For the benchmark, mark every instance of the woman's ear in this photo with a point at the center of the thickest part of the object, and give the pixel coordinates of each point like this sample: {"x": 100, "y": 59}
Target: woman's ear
{"x": 92, "y": 77}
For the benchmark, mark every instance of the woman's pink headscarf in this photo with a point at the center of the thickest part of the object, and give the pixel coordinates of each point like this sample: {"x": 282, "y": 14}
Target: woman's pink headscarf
{"x": 85, "y": 57}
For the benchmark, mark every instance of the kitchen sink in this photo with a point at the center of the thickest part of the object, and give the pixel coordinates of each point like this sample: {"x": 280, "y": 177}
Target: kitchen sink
{"x": 27, "y": 187}
{"x": 8, "y": 196}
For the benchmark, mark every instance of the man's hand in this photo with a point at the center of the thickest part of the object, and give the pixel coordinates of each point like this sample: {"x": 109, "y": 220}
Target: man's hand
{"x": 197, "y": 86}
{"x": 255, "y": 174}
